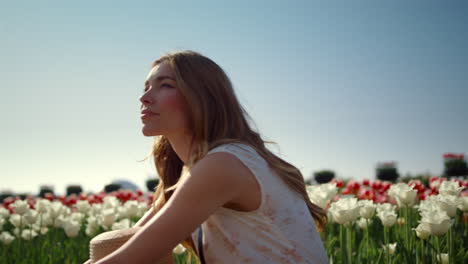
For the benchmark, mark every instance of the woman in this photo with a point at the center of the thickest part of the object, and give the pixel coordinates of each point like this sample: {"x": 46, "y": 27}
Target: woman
{"x": 216, "y": 173}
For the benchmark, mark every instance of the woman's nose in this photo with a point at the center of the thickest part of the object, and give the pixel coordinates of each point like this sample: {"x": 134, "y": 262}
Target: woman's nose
{"x": 145, "y": 99}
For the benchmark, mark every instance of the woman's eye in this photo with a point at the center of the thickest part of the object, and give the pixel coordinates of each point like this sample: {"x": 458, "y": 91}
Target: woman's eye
{"x": 165, "y": 84}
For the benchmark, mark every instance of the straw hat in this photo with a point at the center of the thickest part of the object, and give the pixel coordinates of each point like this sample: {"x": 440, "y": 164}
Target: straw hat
{"x": 107, "y": 242}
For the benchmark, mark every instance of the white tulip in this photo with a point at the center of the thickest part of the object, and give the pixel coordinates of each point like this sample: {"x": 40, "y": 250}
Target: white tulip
{"x": 121, "y": 212}
{"x": 77, "y": 216}
{"x": 385, "y": 207}
{"x": 450, "y": 188}
{"x": 132, "y": 208}
{"x": 430, "y": 204}
{"x": 462, "y": 203}
{"x": 39, "y": 229}
{"x": 107, "y": 218}
{"x": 110, "y": 202}
{"x": 20, "y": 206}
{"x": 83, "y": 206}
{"x": 44, "y": 220}
{"x": 92, "y": 226}
{"x": 388, "y": 218}
{"x": 66, "y": 211}
{"x": 2, "y": 222}
{"x": 422, "y": 231}
{"x": 443, "y": 258}
{"x": 60, "y": 221}
{"x": 56, "y": 209}
{"x": 363, "y": 223}
{"x": 142, "y": 208}
{"x": 437, "y": 220}
{"x": 72, "y": 228}
{"x": 28, "y": 234}
{"x": 4, "y": 213}
{"x": 390, "y": 248}
{"x": 6, "y": 238}
{"x": 30, "y": 216}
{"x": 16, "y": 220}
{"x": 345, "y": 210}
{"x": 42, "y": 205}
{"x": 44, "y": 230}
{"x": 403, "y": 194}
{"x": 123, "y": 224}
{"x": 179, "y": 249}
{"x": 16, "y": 232}
{"x": 95, "y": 209}
{"x": 91, "y": 230}
{"x": 92, "y": 220}
{"x": 367, "y": 208}
{"x": 448, "y": 203}
{"x": 322, "y": 194}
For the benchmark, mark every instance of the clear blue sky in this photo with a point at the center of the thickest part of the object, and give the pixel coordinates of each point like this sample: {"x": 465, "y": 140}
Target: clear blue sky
{"x": 338, "y": 85}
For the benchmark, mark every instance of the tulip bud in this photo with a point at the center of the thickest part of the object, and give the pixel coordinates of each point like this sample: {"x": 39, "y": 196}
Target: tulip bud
{"x": 422, "y": 231}
{"x": 390, "y": 248}
{"x": 401, "y": 221}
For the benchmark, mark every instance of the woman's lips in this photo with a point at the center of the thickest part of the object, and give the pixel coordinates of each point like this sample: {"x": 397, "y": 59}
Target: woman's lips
{"x": 148, "y": 115}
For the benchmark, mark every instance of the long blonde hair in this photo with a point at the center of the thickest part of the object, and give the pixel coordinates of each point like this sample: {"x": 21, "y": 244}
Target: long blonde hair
{"x": 215, "y": 117}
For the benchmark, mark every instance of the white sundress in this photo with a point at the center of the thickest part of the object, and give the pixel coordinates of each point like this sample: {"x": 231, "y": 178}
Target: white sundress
{"x": 281, "y": 230}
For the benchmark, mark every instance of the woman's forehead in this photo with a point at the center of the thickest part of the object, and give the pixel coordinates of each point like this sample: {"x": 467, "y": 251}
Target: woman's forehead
{"x": 162, "y": 69}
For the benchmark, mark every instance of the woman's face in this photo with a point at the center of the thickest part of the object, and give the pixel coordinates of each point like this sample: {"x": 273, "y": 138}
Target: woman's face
{"x": 162, "y": 97}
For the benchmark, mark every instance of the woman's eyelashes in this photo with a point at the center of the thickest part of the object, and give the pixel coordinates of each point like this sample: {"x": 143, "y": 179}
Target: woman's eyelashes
{"x": 162, "y": 85}
{"x": 167, "y": 85}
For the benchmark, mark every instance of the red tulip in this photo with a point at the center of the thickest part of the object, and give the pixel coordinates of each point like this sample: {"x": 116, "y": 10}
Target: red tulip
{"x": 61, "y": 198}
{"x": 365, "y": 182}
{"x": 31, "y": 204}
{"x": 422, "y": 196}
{"x": 353, "y": 185}
{"x": 385, "y": 186}
{"x": 376, "y": 185}
{"x": 71, "y": 200}
{"x": 9, "y": 200}
{"x": 82, "y": 197}
{"x": 49, "y": 196}
{"x": 338, "y": 183}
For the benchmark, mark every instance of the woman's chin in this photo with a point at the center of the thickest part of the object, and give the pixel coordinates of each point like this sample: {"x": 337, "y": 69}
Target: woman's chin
{"x": 148, "y": 133}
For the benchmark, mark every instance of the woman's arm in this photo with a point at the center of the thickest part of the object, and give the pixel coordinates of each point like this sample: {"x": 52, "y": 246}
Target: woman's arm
{"x": 145, "y": 218}
{"x": 213, "y": 182}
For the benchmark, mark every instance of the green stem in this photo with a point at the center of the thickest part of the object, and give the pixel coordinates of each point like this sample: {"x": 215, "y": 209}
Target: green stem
{"x": 387, "y": 251}
{"x": 20, "y": 238}
{"x": 450, "y": 246}
{"x": 348, "y": 243}
{"x": 343, "y": 248}
{"x": 40, "y": 228}
{"x": 423, "y": 259}
{"x": 439, "y": 259}
{"x": 405, "y": 226}
{"x": 367, "y": 239}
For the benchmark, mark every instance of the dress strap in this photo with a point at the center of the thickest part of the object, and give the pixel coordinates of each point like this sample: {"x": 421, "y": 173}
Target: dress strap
{"x": 200, "y": 245}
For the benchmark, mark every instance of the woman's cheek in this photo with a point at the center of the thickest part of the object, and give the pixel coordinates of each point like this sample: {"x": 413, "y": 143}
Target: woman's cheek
{"x": 172, "y": 101}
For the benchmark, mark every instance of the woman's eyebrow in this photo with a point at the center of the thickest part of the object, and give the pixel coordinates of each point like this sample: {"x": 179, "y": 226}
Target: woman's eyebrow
{"x": 160, "y": 78}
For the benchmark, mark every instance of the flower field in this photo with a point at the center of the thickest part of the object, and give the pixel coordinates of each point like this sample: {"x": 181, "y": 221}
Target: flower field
{"x": 380, "y": 222}
{"x": 369, "y": 222}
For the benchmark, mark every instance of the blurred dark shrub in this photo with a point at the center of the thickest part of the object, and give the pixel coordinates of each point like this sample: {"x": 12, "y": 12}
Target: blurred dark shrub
{"x": 74, "y": 189}
{"x": 151, "y": 184}
{"x": 324, "y": 176}
{"x": 45, "y": 189}
{"x": 112, "y": 187}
